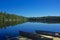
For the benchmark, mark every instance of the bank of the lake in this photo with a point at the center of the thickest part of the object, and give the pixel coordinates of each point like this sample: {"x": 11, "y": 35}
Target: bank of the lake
{"x": 45, "y": 19}
{"x": 4, "y": 16}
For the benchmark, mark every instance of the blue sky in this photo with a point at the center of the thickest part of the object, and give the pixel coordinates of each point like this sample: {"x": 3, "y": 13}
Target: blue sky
{"x": 30, "y": 8}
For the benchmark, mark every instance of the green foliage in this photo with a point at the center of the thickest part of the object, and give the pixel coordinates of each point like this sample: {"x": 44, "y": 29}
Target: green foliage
{"x": 11, "y": 17}
{"x": 54, "y": 19}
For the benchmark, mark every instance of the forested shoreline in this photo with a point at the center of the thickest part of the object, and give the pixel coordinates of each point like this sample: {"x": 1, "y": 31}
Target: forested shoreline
{"x": 45, "y": 19}
{"x": 4, "y": 16}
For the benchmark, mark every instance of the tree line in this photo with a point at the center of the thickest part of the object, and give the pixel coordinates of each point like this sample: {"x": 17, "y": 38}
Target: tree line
{"x": 4, "y": 16}
{"x": 45, "y": 19}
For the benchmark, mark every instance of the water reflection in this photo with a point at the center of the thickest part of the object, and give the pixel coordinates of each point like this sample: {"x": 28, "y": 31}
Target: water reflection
{"x": 14, "y": 33}
{"x": 48, "y": 22}
{"x": 6, "y": 24}
{"x": 6, "y": 34}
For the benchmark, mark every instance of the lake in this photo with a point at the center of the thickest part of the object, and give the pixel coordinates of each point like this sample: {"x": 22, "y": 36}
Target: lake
{"x": 13, "y": 29}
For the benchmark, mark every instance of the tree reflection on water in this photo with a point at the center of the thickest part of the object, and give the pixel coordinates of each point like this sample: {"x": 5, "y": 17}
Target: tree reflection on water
{"x": 6, "y": 24}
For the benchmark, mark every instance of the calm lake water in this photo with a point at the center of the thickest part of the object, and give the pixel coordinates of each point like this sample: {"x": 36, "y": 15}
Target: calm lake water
{"x": 13, "y": 30}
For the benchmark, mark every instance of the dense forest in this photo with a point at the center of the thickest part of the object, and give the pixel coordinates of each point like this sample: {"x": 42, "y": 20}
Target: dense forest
{"x": 4, "y": 16}
{"x": 49, "y": 19}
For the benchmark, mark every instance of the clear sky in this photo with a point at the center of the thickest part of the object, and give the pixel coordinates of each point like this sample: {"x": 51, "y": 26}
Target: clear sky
{"x": 30, "y": 8}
